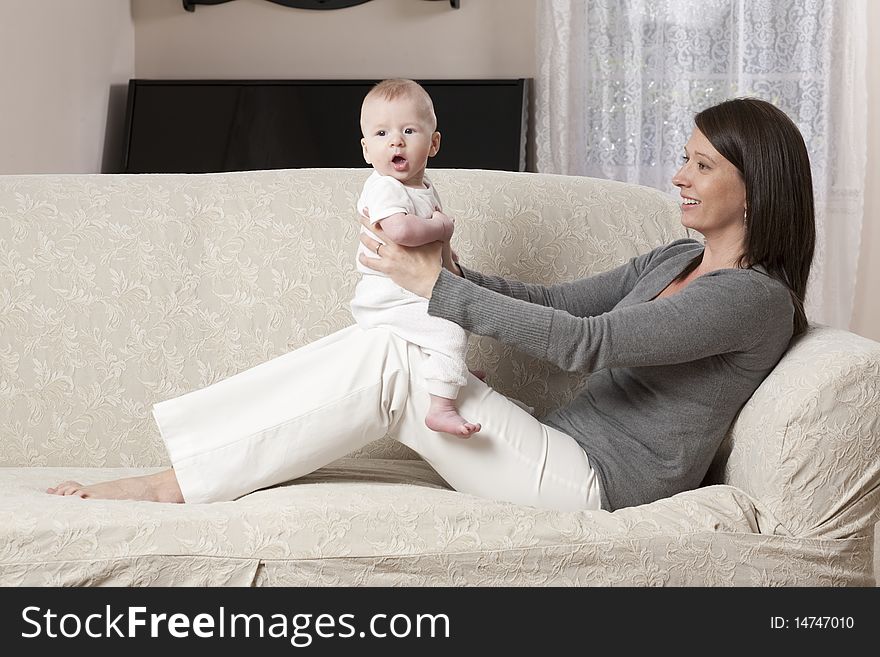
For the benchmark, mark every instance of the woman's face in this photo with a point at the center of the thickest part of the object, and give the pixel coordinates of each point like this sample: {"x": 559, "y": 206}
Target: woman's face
{"x": 712, "y": 190}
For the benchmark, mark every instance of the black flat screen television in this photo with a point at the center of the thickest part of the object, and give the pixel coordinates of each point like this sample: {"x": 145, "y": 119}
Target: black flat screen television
{"x": 200, "y": 126}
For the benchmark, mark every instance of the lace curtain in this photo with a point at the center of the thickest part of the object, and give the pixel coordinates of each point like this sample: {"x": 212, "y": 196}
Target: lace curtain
{"x": 619, "y": 82}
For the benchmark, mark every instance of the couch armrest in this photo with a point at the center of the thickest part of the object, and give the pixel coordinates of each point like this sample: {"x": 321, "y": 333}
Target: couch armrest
{"x": 807, "y": 444}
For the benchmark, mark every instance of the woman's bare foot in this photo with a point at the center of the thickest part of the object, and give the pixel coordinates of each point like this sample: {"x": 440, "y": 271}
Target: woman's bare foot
{"x": 158, "y": 487}
{"x": 443, "y": 417}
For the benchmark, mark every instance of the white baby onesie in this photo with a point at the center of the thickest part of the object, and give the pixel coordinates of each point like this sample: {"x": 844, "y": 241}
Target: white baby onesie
{"x": 379, "y": 302}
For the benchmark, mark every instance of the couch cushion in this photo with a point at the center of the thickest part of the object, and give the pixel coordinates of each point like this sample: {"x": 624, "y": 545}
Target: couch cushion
{"x": 807, "y": 444}
{"x": 382, "y": 522}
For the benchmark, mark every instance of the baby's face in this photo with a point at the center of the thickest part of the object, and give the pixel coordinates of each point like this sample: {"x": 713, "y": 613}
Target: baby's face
{"x": 399, "y": 137}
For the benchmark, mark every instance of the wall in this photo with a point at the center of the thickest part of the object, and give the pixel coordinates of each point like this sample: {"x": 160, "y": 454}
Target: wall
{"x": 59, "y": 63}
{"x": 378, "y": 39}
{"x": 866, "y": 315}
{"x": 64, "y": 67}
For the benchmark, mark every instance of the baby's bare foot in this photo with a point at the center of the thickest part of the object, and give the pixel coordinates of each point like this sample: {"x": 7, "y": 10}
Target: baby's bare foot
{"x": 158, "y": 487}
{"x": 449, "y": 421}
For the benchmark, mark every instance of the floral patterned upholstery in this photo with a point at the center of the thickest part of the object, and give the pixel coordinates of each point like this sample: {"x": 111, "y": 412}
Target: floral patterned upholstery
{"x": 117, "y": 291}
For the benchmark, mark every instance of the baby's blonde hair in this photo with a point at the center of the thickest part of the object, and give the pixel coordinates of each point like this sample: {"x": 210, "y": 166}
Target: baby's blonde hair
{"x": 400, "y": 87}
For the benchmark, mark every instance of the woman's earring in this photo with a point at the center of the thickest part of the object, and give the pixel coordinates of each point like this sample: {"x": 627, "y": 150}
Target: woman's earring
{"x": 746, "y": 218}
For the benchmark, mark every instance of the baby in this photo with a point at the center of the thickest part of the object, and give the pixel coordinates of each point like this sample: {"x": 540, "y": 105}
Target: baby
{"x": 399, "y": 135}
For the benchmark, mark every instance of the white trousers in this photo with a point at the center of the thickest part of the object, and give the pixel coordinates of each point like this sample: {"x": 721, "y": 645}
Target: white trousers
{"x": 296, "y": 413}
{"x": 379, "y": 303}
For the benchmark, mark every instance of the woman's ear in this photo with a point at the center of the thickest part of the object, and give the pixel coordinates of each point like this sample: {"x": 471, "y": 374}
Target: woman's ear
{"x": 435, "y": 144}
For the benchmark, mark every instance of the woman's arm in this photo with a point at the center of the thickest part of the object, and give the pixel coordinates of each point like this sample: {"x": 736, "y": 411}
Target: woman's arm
{"x": 718, "y": 313}
{"x": 585, "y": 297}
{"x": 593, "y": 295}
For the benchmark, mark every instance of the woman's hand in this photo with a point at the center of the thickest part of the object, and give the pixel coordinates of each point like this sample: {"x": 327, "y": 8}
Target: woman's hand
{"x": 415, "y": 268}
{"x": 450, "y": 259}
{"x": 448, "y": 224}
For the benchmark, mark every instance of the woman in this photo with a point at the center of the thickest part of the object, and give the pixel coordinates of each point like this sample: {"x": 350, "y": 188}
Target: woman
{"x": 676, "y": 340}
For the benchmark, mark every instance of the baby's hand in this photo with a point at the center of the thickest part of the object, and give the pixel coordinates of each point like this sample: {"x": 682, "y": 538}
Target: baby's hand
{"x": 447, "y": 222}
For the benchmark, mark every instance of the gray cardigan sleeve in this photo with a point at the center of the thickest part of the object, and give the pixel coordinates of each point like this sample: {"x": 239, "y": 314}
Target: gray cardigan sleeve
{"x": 581, "y": 298}
{"x": 720, "y": 312}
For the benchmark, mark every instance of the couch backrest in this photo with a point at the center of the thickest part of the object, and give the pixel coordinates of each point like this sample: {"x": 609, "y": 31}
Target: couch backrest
{"x": 117, "y": 291}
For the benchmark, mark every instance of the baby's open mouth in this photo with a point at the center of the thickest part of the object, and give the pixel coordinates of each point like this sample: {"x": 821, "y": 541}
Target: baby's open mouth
{"x": 398, "y": 162}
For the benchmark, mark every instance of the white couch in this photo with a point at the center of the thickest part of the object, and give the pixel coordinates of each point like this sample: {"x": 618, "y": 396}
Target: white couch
{"x": 117, "y": 291}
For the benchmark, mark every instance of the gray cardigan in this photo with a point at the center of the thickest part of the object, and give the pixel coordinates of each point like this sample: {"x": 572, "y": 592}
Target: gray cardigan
{"x": 668, "y": 375}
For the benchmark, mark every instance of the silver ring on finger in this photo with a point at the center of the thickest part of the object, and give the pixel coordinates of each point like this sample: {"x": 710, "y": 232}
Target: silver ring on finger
{"x": 377, "y": 250}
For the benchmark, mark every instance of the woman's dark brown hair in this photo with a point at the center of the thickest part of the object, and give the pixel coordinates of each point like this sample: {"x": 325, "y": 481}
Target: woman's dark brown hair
{"x": 766, "y": 146}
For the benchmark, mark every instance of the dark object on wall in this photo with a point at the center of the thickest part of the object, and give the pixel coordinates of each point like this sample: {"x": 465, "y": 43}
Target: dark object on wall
{"x": 190, "y": 5}
{"x": 199, "y": 126}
